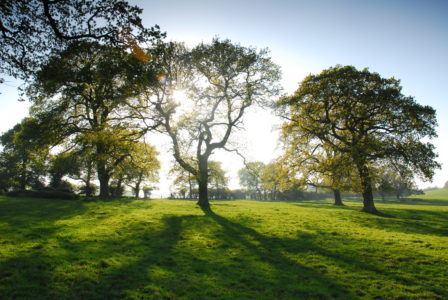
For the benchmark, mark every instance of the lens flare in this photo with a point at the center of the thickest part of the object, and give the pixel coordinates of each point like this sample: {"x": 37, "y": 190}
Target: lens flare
{"x": 162, "y": 78}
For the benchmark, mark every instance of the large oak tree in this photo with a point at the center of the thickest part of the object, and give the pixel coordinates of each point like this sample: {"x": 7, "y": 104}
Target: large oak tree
{"x": 88, "y": 94}
{"x": 221, "y": 80}
{"x": 360, "y": 114}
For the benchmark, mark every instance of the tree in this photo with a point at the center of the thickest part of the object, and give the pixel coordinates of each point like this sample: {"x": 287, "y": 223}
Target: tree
{"x": 309, "y": 162}
{"x": 218, "y": 180}
{"x": 89, "y": 93}
{"x": 30, "y": 30}
{"x": 23, "y": 160}
{"x": 395, "y": 180}
{"x": 78, "y": 163}
{"x": 147, "y": 190}
{"x": 271, "y": 180}
{"x": 251, "y": 178}
{"x": 141, "y": 166}
{"x": 367, "y": 118}
{"x": 63, "y": 164}
{"x": 86, "y": 172}
{"x": 221, "y": 81}
{"x": 185, "y": 183}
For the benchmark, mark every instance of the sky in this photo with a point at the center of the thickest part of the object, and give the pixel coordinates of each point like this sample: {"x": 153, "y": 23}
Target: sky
{"x": 404, "y": 39}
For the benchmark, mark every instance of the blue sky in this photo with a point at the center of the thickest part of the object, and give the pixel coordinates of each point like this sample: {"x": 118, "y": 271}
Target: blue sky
{"x": 404, "y": 39}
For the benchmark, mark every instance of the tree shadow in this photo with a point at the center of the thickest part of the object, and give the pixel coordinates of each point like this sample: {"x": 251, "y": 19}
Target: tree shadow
{"x": 414, "y": 201}
{"x": 405, "y": 220}
{"x": 198, "y": 273}
{"x": 411, "y": 221}
{"x": 193, "y": 256}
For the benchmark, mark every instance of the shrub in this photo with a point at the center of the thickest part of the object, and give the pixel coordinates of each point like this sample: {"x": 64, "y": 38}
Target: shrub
{"x": 43, "y": 193}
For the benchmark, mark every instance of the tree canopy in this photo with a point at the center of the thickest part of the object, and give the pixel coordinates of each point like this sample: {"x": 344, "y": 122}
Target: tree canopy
{"x": 89, "y": 94}
{"x": 220, "y": 80}
{"x": 366, "y": 117}
{"x": 251, "y": 177}
{"x": 30, "y": 30}
{"x": 22, "y": 162}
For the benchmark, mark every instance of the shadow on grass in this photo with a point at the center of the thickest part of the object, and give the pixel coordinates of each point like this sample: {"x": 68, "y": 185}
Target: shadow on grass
{"x": 404, "y": 201}
{"x": 237, "y": 262}
{"x": 191, "y": 256}
{"x": 403, "y": 220}
{"x": 17, "y": 211}
{"x": 409, "y": 221}
{"x": 419, "y": 201}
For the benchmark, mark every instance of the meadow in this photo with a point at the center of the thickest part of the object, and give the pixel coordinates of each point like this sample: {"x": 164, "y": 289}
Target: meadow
{"x": 171, "y": 249}
{"x": 440, "y": 194}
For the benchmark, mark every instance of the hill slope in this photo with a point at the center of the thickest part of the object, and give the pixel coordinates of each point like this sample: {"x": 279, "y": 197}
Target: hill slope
{"x": 441, "y": 194}
{"x": 243, "y": 249}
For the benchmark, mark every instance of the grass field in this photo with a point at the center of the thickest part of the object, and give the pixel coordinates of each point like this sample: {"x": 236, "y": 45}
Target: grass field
{"x": 167, "y": 249}
{"x": 440, "y": 194}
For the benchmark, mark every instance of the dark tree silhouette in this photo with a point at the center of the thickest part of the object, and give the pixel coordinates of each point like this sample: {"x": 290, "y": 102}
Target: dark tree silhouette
{"x": 31, "y": 29}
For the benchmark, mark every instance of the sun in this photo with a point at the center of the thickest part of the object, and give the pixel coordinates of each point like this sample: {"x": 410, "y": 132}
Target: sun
{"x": 180, "y": 96}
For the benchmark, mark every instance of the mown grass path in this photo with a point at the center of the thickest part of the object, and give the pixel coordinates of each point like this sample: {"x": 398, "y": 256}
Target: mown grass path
{"x": 166, "y": 249}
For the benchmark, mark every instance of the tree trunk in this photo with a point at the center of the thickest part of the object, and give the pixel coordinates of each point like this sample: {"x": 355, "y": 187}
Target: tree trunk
{"x": 137, "y": 185}
{"x": 203, "y": 184}
{"x": 119, "y": 190}
{"x": 88, "y": 179}
{"x": 367, "y": 194}
{"x": 103, "y": 178}
{"x": 137, "y": 190}
{"x": 190, "y": 186}
{"x": 337, "y": 197}
{"x": 23, "y": 176}
{"x": 103, "y": 175}
{"x": 104, "y": 186}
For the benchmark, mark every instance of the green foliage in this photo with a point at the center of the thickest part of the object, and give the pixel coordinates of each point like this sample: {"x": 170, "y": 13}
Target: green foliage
{"x": 362, "y": 116}
{"x": 309, "y": 162}
{"x": 217, "y": 175}
{"x": 184, "y": 183}
{"x": 251, "y": 178}
{"x": 396, "y": 182}
{"x": 23, "y": 159}
{"x": 221, "y": 81}
{"x": 65, "y": 163}
{"x": 89, "y": 92}
{"x": 32, "y": 29}
{"x": 88, "y": 190}
{"x": 140, "y": 167}
{"x": 126, "y": 249}
{"x": 270, "y": 182}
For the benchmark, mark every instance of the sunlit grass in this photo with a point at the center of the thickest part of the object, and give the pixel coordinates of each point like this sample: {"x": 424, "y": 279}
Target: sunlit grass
{"x": 441, "y": 194}
{"x": 156, "y": 249}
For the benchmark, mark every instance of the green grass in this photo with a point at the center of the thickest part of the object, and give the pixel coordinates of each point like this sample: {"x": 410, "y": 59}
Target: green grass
{"x": 167, "y": 249}
{"x": 440, "y": 194}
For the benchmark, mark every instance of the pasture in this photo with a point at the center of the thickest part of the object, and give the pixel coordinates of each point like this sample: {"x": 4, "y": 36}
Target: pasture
{"x": 171, "y": 249}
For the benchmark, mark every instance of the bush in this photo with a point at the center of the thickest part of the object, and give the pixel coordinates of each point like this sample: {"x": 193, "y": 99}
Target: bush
{"x": 93, "y": 189}
{"x": 43, "y": 193}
